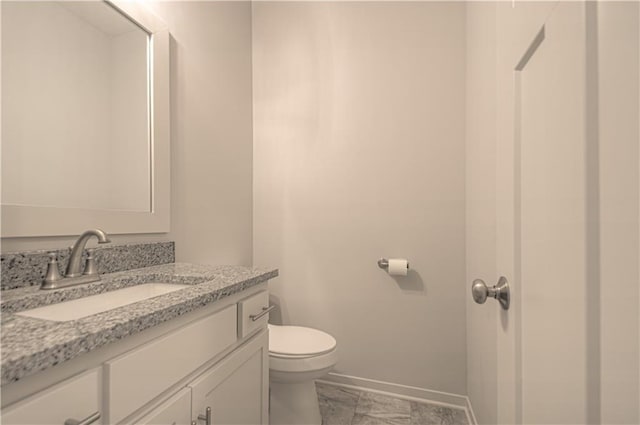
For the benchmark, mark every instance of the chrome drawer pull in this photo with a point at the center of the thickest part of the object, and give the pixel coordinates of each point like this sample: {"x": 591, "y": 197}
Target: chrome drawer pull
{"x": 207, "y": 417}
{"x": 86, "y": 421}
{"x": 265, "y": 310}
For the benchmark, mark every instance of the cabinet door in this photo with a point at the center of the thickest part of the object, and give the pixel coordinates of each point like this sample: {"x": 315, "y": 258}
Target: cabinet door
{"x": 237, "y": 388}
{"x": 76, "y": 398}
{"x": 175, "y": 411}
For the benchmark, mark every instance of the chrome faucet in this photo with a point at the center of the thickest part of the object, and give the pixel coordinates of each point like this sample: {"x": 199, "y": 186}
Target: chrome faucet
{"x": 74, "y": 275}
{"x": 73, "y": 269}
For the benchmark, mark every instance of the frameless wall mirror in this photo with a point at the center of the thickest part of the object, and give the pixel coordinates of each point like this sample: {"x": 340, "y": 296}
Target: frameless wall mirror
{"x": 85, "y": 118}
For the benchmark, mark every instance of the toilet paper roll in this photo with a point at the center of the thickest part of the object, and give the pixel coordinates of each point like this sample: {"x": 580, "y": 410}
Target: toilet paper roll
{"x": 398, "y": 266}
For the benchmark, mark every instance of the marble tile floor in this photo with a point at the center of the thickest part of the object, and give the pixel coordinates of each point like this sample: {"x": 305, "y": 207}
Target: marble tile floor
{"x": 345, "y": 406}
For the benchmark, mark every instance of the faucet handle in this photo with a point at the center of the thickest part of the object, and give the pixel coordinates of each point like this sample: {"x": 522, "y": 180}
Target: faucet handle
{"x": 53, "y": 272}
{"x": 90, "y": 267}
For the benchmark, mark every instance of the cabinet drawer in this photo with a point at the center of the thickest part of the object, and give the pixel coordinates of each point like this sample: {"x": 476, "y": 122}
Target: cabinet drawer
{"x": 137, "y": 377}
{"x": 76, "y": 398}
{"x": 250, "y": 306}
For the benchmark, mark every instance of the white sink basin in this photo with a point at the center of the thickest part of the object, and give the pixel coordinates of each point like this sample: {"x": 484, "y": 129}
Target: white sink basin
{"x": 94, "y": 304}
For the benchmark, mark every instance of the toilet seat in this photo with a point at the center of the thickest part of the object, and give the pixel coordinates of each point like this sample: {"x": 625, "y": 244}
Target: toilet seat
{"x": 297, "y": 342}
{"x": 292, "y": 357}
{"x": 299, "y": 349}
{"x": 303, "y": 364}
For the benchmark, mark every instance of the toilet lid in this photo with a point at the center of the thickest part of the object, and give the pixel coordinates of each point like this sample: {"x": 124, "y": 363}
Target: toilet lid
{"x": 299, "y": 341}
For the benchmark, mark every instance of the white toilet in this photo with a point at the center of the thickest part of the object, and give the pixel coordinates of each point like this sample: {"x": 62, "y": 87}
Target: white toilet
{"x": 297, "y": 356}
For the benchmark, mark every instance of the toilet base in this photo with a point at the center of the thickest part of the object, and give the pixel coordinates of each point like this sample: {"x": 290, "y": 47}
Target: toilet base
{"x": 294, "y": 403}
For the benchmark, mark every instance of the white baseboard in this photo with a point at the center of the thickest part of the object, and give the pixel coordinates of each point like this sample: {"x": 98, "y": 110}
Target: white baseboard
{"x": 455, "y": 401}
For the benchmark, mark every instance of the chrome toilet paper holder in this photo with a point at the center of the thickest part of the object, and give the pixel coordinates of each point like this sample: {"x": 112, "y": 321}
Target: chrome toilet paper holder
{"x": 383, "y": 263}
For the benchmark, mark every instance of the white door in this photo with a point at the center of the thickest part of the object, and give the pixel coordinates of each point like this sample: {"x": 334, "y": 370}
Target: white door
{"x": 546, "y": 244}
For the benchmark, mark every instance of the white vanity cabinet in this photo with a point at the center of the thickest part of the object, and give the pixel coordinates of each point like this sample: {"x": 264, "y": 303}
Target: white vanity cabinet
{"x": 208, "y": 358}
{"x": 235, "y": 391}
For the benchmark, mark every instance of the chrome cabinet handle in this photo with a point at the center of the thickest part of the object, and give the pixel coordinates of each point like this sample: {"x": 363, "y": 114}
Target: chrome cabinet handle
{"x": 86, "y": 421}
{"x": 265, "y": 310}
{"x": 500, "y": 292}
{"x": 206, "y": 417}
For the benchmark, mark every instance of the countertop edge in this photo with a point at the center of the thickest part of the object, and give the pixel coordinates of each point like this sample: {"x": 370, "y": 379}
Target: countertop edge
{"x": 14, "y": 368}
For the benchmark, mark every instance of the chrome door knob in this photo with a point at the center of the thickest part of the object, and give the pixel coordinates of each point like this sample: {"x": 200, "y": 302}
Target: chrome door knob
{"x": 479, "y": 291}
{"x": 500, "y": 292}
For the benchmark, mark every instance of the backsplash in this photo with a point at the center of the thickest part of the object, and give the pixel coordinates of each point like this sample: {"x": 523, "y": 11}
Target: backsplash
{"x": 20, "y": 269}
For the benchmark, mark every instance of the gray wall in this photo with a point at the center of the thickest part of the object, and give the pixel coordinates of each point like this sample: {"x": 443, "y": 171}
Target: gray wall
{"x": 359, "y": 115}
{"x": 211, "y": 128}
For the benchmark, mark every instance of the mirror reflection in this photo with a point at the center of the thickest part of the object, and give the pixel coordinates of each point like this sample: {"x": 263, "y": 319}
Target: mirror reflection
{"x": 75, "y": 107}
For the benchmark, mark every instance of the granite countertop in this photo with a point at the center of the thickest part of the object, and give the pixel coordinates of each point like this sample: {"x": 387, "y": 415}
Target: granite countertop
{"x": 29, "y": 345}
